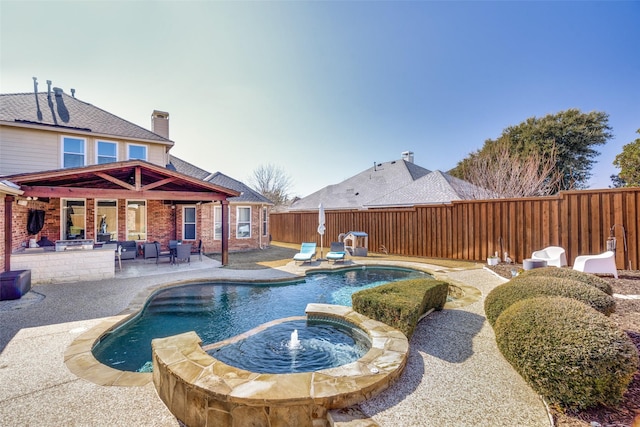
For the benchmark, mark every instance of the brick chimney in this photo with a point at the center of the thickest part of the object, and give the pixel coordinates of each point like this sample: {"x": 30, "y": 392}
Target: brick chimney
{"x": 160, "y": 123}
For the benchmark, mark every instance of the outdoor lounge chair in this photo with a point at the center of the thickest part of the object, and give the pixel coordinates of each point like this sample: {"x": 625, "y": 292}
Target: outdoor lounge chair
{"x": 605, "y": 263}
{"x": 553, "y": 255}
{"x": 307, "y": 252}
{"x": 337, "y": 252}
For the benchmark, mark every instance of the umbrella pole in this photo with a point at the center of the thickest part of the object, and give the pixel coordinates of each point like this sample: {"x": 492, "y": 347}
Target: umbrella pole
{"x": 321, "y": 247}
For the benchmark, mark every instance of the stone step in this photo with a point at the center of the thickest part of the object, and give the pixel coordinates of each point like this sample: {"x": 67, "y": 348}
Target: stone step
{"x": 350, "y": 417}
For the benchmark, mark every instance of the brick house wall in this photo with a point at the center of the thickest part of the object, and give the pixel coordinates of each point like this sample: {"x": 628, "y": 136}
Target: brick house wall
{"x": 162, "y": 220}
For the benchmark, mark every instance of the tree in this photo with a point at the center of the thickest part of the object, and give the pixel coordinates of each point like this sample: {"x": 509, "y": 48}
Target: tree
{"x": 629, "y": 163}
{"x": 496, "y": 172}
{"x": 272, "y": 182}
{"x": 568, "y": 136}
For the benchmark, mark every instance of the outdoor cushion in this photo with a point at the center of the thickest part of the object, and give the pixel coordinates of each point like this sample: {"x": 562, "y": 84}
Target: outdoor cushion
{"x": 337, "y": 252}
{"x": 307, "y": 252}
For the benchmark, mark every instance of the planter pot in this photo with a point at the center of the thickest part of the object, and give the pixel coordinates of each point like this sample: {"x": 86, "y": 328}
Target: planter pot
{"x": 493, "y": 261}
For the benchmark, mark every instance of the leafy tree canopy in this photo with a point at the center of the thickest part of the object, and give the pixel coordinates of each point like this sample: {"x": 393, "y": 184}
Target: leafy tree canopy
{"x": 629, "y": 163}
{"x": 568, "y": 137}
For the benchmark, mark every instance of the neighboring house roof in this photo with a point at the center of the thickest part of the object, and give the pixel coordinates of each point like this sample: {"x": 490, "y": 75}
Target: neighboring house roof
{"x": 247, "y": 194}
{"x": 434, "y": 188}
{"x": 62, "y": 112}
{"x": 364, "y": 188}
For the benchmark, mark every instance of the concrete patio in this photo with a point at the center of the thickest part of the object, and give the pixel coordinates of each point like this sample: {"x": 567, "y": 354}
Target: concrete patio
{"x": 455, "y": 375}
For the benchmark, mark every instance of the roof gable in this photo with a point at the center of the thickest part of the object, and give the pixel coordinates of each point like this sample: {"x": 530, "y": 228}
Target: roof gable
{"x": 359, "y": 190}
{"x": 133, "y": 178}
{"x": 434, "y": 188}
{"x": 62, "y": 112}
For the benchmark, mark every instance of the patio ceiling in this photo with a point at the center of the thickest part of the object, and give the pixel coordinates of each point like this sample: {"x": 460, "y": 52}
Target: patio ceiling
{"x": 130, "y": 179}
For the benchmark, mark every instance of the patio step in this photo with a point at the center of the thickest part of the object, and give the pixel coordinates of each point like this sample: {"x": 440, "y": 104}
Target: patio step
{"x": 350, "y": 417}
{"x": 181, "y": 304}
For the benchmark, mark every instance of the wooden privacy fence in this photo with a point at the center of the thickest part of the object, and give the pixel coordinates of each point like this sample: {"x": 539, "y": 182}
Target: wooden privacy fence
{"x": 579, "y": 221}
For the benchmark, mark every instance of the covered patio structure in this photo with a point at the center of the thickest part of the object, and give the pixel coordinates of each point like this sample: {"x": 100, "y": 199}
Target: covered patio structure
{"x": 122, "y": 201}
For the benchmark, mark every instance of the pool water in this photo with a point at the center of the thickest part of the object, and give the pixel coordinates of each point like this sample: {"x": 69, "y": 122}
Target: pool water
{"x": 318, "y": 345}
{"x": 217, "y": 311}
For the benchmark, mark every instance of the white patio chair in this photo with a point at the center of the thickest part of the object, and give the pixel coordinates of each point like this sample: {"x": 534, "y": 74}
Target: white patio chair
{"x": 604, "y": 263}
{"x": 553, "y": 255}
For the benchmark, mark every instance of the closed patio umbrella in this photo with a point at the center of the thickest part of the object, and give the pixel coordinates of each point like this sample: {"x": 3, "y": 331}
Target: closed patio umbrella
{"x": 321, "y": 227}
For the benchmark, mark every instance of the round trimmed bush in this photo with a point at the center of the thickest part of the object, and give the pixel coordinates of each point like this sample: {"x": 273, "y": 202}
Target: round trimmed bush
{"x": 568, "y": 352}
{"x": 567, "y": 273}
{"x": 500, "y": 298}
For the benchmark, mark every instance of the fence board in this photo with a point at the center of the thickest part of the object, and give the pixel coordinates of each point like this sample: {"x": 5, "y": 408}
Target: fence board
{"x": 579, "y": 221}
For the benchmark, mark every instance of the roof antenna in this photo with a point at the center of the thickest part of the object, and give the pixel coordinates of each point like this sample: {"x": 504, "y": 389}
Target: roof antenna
{"x": 35, "y": 93}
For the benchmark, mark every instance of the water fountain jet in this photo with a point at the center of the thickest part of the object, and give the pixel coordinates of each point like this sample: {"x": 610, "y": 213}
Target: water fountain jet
{"x": 294, "y": 343}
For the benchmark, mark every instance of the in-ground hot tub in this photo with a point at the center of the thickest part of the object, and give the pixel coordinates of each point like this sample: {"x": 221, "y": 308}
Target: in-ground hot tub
{"x": 201, "y": 390}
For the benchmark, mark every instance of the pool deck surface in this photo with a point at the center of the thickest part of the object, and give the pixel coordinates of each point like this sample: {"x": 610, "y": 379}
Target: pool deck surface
{"x": 455, "y": 375}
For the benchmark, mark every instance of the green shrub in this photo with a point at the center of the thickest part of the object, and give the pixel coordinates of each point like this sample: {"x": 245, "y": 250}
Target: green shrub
{"x": 400, "y": 304}
{"x": 567, "y": 273}
{"x": 519, "y": 288}
{"x": 569, "y": 353}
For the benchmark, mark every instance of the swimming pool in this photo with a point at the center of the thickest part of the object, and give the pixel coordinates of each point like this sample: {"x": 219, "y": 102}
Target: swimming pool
{"x": 218, "y": 311}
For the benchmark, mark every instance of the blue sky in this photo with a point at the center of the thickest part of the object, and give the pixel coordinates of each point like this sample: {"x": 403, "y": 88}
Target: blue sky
{"x": 325, "y": 89}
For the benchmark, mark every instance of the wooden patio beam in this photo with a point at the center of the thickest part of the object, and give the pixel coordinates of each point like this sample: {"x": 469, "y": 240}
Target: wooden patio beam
{"x": 115, "y": 181}
{"x": 92, "y": 193}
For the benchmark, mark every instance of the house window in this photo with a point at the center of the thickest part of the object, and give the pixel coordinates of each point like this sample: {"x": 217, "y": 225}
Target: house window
{"x": 136, "y": 220}
{"x": 106, "y": 220}
{"x": 243, "y": 223}
{"x": 137, "y": 152}
{"x": 265, "y": 217}
{"x": 73, "y": 150}
{"x": 107, "y": 152}
{"x": 73, "y": 219}
{"x": 217, "y": 222}
{"x": 189, "y": 223}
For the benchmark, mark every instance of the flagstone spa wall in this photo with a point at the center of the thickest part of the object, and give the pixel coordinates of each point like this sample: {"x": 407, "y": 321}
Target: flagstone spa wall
{"x": 66, "y": 266}
{"x": 203, "y": 391}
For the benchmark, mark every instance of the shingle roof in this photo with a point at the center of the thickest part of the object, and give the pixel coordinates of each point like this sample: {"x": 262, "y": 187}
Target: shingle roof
{"x": 361, "y": 189}
{"x": 66, "y": 112}
{"x": 247, "y": 194}
{"x": 433, "y": 188}
{"x": 187, "y": 168}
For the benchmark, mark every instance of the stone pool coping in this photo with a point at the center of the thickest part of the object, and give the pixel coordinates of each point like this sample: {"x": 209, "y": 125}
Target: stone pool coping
{"x": 196, "y": 386}
{"x": 79, "y": 359}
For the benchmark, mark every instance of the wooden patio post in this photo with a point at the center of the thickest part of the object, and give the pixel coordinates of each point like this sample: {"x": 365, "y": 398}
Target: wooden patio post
{"x": 8, "y": 235}
{"x": 225, "y": 231}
